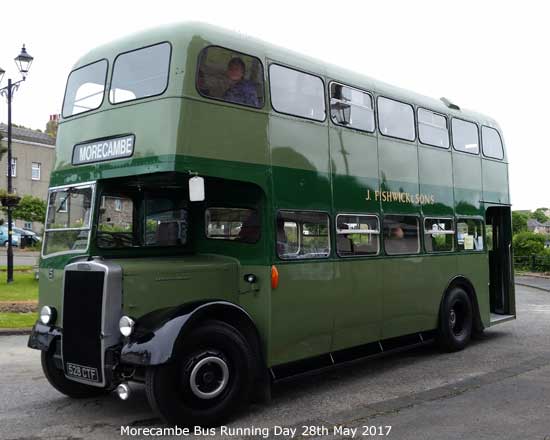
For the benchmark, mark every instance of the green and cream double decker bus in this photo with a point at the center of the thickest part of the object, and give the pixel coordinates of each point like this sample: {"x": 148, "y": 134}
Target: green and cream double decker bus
{"x": 224, "y": 213}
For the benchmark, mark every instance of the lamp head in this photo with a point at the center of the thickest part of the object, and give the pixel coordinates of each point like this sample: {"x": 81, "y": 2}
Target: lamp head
{"x": 23, "y": 61}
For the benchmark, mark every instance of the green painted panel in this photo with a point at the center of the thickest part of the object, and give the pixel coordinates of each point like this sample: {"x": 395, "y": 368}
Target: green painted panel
{"x": 413, "y": 287}
{"x": 436, "y": 178}
{"x": 223, "y": 132}
{"x": 154, "y": 283}
{"x": 51, "y": 290}
{"x": 467, "y": 182}
{"x": 495, "y": 181}
{"x": 475, "y": 267}
{"x": 302, "y": 310}
{"x": 300, "y": 159}
{"x": 358, "y": 306}
{"x": 354, "y": 164}
{"x": 154, "y": 123}
{"x": 398, "y": 174}
{"x": 256, "y": 300}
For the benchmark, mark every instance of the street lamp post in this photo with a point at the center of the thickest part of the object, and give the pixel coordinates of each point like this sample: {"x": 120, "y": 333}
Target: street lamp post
{"x": 23, "y": 62}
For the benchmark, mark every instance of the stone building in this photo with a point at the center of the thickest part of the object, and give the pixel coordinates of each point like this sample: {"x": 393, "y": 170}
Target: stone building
{"x": 33, "y": 155}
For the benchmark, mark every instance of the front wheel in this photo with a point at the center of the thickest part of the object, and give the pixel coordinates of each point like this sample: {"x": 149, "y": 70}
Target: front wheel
{"x": 210, "y": 379}
{"x": 455, "y": 320}
{"x": 56, "y": 378}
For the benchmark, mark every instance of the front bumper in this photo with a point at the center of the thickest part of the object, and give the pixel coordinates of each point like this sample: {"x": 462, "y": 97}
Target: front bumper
{"x": 46, "y": 337}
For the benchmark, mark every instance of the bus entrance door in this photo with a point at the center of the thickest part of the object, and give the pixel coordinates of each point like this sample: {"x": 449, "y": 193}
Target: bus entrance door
{"x": 499, "y": 244}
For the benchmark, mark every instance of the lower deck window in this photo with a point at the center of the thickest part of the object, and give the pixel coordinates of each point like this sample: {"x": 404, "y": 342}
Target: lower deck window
{"x": 469, "y": 233}
{"x": 439, "y": 235}
{"x": 401, "y": 235}
{"x": 141, "y": 220}
{"x": 116, "y": 222}
{"x": 357, "y": 235}
{"x": 239, "y": 224}
{"x": 302, "y": 234}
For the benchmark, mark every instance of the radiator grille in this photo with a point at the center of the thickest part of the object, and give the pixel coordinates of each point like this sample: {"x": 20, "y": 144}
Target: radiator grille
{"x": 82, "y": 312}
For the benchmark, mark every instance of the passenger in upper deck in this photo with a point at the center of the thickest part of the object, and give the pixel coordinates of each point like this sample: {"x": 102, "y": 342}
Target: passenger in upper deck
{"x": 242, "y": 91}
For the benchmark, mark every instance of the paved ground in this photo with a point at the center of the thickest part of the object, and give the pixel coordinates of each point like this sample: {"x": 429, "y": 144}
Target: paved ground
{"x": 498, "y": 388}
{"x": 534, "y": 281}
{"x": 20, "y": 258}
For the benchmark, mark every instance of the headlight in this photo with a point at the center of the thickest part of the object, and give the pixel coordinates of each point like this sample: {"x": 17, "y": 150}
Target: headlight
{"x": 47, "y": 315}
{"x": 126, "y": 325}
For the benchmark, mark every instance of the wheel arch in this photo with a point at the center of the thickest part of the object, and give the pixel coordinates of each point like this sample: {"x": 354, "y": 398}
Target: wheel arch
{"x": 159, "y": 344}
{"x": 464, "y": 283}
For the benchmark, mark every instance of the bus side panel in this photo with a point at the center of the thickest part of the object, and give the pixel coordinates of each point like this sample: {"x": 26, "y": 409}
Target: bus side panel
{"x": 257, "y": 302}
{"x": 218, "y": 131}
{"x": 412, "y": 291}
{"x": 398, "y": 173}
{"x": 300, "y": 160}
{"x": 467, "y": 184}
{"x": 358, "y": 314}
{"x": 474, "y": 267}
{"x": 436, "y": 178}
{"x": 495, "y": 181}
{"x": 354, "y": 163}
{"x": 302, "y": 310}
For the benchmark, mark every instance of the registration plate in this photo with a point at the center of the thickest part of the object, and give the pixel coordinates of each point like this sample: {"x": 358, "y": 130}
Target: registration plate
{"x": 81, "y": 372}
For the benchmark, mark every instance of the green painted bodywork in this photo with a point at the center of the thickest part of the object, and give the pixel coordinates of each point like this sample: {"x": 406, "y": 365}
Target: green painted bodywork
{"x": 320, "y": 305}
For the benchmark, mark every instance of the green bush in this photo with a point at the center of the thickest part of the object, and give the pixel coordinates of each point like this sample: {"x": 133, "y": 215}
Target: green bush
{"x": 529, "y": 243}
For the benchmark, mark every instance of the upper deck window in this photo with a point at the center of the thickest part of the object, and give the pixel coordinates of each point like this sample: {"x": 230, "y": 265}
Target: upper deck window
{"x": 140, "y": 73}
{"x": 396, "y": 119}
{"x": 432, "y": 128}
{"x": 297, "y": 93}
{"x": 230, "y": 76}
{"x": 85, "y": 88}
{"x": 351, "y": 107}
{"x": 492, "y": 143}
{"x": 465, "y": 136}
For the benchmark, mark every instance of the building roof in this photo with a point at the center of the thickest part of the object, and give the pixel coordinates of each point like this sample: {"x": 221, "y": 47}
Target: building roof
{"x": 26, "y": 134}
{"x": 532, "y": 224}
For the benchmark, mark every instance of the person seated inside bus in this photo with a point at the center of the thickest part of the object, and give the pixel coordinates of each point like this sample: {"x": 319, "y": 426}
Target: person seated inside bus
{"x": 241, "y": 90}
{"x": 396, "y": 242}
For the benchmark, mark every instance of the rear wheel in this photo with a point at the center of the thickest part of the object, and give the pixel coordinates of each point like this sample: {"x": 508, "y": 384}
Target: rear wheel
{"x": 210, "y": 379}
{"x": 56, "y": 377}
{"x": 455, "y": 320}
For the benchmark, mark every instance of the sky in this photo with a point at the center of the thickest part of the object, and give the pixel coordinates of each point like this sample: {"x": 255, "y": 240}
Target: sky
{"x": 488, "y": 56}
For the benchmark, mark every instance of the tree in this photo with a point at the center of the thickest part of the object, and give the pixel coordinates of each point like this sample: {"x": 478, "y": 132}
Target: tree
{"x": 51, "y": 128}
{"x": 539, "y": 215}
{"x": 3, "y": 149}
{"x": 519, "y": 222}
{"x": 528, "y": 243}
{"x": 30, "y": 209}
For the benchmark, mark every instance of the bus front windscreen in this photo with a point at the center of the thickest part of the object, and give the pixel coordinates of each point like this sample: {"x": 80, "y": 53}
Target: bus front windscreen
{"x": 68, "y": 220}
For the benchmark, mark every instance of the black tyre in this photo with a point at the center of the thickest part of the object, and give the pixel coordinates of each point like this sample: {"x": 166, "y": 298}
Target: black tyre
{"x": 455, "y": 320}
{"x": 56, "y": 377}
{"x": 210, "y": 379}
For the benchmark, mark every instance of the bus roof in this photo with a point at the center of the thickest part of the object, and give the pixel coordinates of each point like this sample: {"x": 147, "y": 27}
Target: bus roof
{"x": 182, "y": 33}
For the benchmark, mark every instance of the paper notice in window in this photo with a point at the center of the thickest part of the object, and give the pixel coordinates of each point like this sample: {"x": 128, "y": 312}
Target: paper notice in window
{"x": 479, "y": 243}
{"x": 468, "y": 241}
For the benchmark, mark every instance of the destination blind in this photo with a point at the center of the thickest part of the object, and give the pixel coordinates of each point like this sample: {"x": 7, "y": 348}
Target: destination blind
{"x": 102, "y": 150}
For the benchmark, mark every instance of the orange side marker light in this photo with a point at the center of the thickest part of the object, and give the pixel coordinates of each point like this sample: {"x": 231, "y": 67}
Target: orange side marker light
{"x": 274, "y": 277}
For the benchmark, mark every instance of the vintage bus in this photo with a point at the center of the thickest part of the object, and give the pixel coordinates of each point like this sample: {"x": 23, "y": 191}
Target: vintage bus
{"x": 224, "y": 213}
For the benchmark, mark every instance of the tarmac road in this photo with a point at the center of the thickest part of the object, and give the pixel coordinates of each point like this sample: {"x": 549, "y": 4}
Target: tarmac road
{"x": 498, "y": 388}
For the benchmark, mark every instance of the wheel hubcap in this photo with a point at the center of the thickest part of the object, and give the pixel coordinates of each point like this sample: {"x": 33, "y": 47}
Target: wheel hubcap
{"x": 452, "y": 317}
{"x": 209, "y": 377}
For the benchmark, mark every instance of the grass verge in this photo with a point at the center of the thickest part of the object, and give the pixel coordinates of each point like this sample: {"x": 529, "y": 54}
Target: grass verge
{"x": 17, "y": 320}
{"x": 23, "y": 288}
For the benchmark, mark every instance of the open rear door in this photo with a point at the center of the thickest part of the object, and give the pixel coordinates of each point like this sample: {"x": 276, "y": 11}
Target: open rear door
{"x": 501, "y": 277}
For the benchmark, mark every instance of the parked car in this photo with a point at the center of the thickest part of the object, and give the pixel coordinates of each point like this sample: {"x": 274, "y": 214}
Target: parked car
{"x": 15, "y": 238}
{"x": 32, "y": 236}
